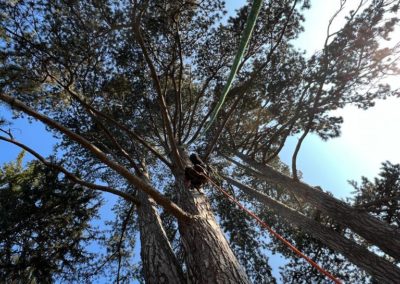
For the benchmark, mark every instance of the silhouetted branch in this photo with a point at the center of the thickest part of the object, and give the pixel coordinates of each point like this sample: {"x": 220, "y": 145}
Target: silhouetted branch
{"x": 71, "y": 176}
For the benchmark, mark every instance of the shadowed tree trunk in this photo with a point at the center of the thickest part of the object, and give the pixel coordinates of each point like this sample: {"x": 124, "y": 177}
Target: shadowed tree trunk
{"x": 376, "y": 232}
{"x": 159, "y": 261}
{"x": 114, "y": 80}
{"x": 377, "y": 267}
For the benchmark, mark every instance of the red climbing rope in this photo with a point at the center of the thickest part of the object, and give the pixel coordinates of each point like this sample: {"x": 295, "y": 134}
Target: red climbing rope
{"x": 279, "y": 237}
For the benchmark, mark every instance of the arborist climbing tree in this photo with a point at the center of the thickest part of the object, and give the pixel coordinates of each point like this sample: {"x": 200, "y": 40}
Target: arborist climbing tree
{"x": 130, "y": 90}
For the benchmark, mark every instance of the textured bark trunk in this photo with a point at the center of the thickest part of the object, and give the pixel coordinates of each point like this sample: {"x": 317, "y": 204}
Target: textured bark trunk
{"x": 386, "y": 237}
{"x": 159, "y": 262}
{"x": 377, "y": 267}
{"x": 208, "y": 255}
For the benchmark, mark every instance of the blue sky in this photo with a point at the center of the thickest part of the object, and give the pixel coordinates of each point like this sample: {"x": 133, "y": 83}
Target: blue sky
{"x": 368, "y": 137}
{"x": 33, "y": 134}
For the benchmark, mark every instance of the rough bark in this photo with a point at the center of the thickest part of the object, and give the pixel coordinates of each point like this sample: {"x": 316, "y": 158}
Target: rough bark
{"x": 159, "y": 261}
{"x": 377, "y": 267}
{"x": 384, "y": 236}
{"x": 208, "y": 256}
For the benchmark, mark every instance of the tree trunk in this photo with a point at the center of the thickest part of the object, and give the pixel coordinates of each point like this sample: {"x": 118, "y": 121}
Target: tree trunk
{"x": 386, "y": 237}
{"x": 379, "y": 268}
{"x": 208, "y": 256}
{"x": 159, "y": 261}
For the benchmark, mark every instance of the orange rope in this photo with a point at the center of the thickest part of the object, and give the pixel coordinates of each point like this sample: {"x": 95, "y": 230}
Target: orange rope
{"x": 279, "y": 237}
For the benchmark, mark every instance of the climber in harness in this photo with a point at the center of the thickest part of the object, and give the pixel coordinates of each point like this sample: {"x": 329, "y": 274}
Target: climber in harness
{"x": 196, "y": 175}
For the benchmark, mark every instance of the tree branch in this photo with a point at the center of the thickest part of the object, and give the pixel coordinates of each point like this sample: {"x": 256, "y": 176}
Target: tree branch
{"x": 216, "y": 135}
{"x": 70, "y": 175}
{"x": 161, "y": 99}
{"x": 99, "y": 122}
{"x": 375, "y": 231}
{"x": 131, "y": 133}
{"x": 360, "y": 256}
{"x": 121, "y": 238}
{"x": 168, "y": 205}
{"x": 378, "y": 202}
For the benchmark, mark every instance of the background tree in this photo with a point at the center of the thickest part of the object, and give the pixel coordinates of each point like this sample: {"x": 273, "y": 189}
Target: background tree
{"x": 128, "y": 89}
{"x": 44, "y": 225}
{"x": 380, "y": 197}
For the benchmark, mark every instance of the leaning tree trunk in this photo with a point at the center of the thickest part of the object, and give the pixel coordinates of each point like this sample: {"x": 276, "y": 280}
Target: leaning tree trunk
{"x": 159, "y": 261}
{"x": 208, "y": 256}
{"x": 384, "y": 236}
{"x": 379, "y": 268}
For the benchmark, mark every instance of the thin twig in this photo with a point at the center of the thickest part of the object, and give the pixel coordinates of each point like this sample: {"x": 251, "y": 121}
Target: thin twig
{"x": 70, "y": 175}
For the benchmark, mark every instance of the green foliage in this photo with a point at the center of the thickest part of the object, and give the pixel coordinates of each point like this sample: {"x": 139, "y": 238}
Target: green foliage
{"x": 294, "y": 269}
{"x": 44, "y": 224}
{"x": 64, "y": 57}
{"x": 381, "y": 197}
{"x": 120, "y": 261}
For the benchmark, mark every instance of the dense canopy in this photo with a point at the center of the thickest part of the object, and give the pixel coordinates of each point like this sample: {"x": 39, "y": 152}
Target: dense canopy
{"x": 127, "y": 88}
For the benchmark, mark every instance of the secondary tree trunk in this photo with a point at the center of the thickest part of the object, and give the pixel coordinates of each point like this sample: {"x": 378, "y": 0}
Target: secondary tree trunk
{"x": 386, "y": 237}
{"x": 159, "y": 262}
{"x": 377, "y": 267}
{"x": 208, "y": 255}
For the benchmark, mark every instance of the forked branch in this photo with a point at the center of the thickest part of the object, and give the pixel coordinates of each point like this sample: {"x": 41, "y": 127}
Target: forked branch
{"x": 167, "y": 204}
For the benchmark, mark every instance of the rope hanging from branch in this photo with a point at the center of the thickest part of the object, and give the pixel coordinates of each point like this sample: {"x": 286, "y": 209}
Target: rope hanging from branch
{"x": 275, "y": 234}
{"x": 250, "y": 23}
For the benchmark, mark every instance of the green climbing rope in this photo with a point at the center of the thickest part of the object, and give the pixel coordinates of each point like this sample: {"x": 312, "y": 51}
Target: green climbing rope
{"x": 250, "y": 23}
